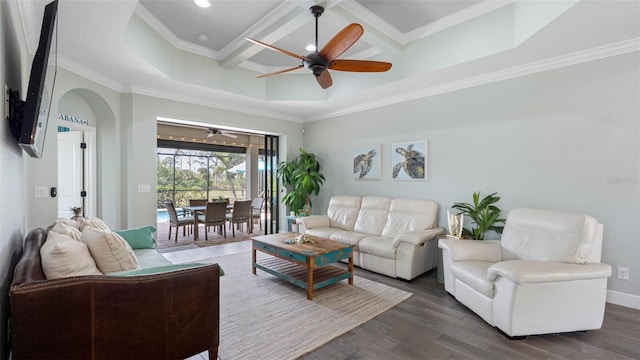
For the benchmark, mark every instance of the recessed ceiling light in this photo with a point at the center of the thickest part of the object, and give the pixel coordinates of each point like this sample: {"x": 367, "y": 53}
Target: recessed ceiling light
{"x": 202, "y": 3}
{"x": 310, "y": 47}
{"x": 203, "y": 37}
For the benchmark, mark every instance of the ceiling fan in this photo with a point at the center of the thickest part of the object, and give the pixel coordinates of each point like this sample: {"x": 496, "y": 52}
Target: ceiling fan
{"x": 320, "y": 61}
{"x": 213, "y": 132}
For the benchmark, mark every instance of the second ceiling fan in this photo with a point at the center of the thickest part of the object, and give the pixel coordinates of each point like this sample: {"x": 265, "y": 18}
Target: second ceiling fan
{"x": 319, "y": 62}
{"x": 213, "y": 132}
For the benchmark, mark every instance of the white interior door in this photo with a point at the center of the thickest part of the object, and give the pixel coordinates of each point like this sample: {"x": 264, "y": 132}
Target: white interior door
{"x": 70, "y": 171}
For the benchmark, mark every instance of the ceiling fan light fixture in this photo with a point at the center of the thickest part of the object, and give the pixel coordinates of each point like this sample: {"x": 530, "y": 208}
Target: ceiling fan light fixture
{"x": 316, "y": 63}
{"x": 317, "y": 70}
{"x": 320, "y": 62}
{"x": 202, "y": 3}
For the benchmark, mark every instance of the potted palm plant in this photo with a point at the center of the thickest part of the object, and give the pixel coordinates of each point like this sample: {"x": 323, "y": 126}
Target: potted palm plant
{"x": 302, "y": 176}
{"x": 77, "y": 213}
{"x": 484, "y": 214}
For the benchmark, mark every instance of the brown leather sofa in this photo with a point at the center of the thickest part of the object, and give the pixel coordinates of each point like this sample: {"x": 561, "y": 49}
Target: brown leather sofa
{"x": 170, "y": 315}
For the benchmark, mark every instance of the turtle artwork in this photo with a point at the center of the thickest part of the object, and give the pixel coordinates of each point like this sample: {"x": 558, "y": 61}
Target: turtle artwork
{"x": 412, "y": 162}
{"x": 363, "y": 163}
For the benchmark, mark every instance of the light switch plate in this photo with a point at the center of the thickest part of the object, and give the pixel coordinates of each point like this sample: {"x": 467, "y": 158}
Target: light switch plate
{"x": 144, "y": 188}
{"x": 40, "y": 192}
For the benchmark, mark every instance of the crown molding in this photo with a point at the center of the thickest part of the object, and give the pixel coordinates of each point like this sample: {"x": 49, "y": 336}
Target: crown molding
{"x": 233, "y": 103}
{"x": 253, "y": 106}
{"x": 242, "y": 106}
{"x": 405, "y": 38}
{"x": 609, "y": 50}
{"x": 30, "y": 27}
{"x": 89, "y": 74}
{"x": 166, "y": 34}
{"x": 237, "y": 43}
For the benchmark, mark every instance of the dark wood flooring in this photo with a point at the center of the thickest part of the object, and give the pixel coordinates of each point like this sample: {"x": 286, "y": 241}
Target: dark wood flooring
{"x": 433, "y": 325}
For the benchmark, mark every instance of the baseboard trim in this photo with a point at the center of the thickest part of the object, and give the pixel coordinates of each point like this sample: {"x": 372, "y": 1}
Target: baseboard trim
{"x": 623, "y": 299}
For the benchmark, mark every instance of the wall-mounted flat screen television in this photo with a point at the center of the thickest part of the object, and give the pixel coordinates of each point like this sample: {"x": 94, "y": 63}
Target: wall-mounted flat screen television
{"x": 29, "y": 117}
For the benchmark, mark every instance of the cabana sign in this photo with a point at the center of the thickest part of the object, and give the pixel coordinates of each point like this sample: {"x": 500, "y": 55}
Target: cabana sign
{"x": 73, "y": 119}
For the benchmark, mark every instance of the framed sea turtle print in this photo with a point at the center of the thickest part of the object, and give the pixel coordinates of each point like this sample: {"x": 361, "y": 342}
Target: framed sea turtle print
{"x": 366, "y": 162}
{"x": 409, "y": 160}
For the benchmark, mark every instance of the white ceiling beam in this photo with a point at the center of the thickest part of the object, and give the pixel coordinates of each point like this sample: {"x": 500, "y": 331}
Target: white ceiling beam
{"x": 287, "y": 17}
{"x": 378, "y": 32}
{"x": 456, "y": 18}
{"x": 278, "y": 23}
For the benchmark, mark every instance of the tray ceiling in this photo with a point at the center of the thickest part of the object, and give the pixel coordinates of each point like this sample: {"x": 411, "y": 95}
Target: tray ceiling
{"x": 176, "y": 50}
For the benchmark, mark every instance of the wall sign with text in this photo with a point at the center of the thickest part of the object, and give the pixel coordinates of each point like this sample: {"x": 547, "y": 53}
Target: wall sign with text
{"x": 73, "y": 119}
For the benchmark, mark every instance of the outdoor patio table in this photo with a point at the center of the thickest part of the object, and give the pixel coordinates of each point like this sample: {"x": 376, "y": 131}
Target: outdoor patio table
{"x": 195, "y": 209}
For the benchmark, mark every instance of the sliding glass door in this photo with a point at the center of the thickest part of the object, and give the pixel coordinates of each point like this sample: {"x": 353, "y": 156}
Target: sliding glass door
{"x": 271, "y": 184}
{"x": 188, "y": 170}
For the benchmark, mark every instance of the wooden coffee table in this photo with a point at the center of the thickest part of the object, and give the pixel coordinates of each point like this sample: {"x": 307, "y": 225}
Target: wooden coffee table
{"x": 307, "y": 265}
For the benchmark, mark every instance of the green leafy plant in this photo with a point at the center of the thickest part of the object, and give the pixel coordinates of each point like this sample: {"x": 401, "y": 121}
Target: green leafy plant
{"x": 484, "y": 214}
{"x": 302, "y": 176}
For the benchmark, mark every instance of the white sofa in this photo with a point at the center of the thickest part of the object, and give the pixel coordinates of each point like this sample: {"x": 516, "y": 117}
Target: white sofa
{"x": 394, "y": 237}
{"x": 543, "y": 276}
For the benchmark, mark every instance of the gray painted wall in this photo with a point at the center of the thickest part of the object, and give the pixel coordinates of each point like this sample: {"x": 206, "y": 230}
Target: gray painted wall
{"x": 139, "y": 152}
{"x": 105, "y": 105}
{"x": 563, "y": 139}
{"x": 126, "y": 140}
{"x": 13, "y": 73}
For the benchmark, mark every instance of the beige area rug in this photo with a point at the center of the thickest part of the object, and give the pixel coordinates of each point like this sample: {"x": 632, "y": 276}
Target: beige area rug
{"x": 263, "y": 317}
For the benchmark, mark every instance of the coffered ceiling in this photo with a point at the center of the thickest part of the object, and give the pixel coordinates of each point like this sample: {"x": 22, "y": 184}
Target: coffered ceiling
{"x": 177, "y": 50}
{"x": 220, "y": 30}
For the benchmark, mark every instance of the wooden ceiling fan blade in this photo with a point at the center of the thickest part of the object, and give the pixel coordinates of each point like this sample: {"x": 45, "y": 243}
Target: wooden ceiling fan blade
{"x": 325, "y": 79}
{"x": 360, "y": 65}
{"x": 285, "y": 52}
{"x": 281, "y": 71}
{"x": 342, "y": 41}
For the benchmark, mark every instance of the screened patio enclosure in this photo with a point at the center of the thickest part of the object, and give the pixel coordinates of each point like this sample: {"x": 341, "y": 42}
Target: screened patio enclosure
{"x": 189, "y": 168}
{"x": 193, "y": 174}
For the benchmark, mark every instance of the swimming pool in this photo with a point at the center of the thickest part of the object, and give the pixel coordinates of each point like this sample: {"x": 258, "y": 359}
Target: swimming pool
{"x": 162, "y": 215}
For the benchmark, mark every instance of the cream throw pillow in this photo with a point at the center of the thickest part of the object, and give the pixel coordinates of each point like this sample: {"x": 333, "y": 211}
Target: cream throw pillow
{"x": 69, "y": 222}
{"x": 94, "y": 223}
{"x": 109, "y": 250}
{"x": 64, "y": 257}
{"x": 65, "y": 229}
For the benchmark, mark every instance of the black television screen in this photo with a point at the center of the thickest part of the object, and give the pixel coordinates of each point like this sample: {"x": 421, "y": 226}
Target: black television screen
{"x": 38, "y": 100}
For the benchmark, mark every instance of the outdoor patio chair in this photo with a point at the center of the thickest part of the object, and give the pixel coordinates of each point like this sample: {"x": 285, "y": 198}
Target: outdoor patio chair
{"x": 240, "y": 214}
{"x": 214, "y": 215}
{"x": 196, "y": 202}
{"x": 176, "y": 221}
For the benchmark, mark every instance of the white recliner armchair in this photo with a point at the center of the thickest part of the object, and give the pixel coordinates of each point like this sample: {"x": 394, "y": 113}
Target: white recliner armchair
{"x": 543, "y": 276}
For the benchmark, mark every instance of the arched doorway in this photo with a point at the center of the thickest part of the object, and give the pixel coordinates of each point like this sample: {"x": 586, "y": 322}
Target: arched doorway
{"x": 86, "y": 125}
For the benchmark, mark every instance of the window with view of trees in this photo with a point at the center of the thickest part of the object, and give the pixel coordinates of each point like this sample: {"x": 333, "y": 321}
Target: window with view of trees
{"x": 194, "y": 174}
